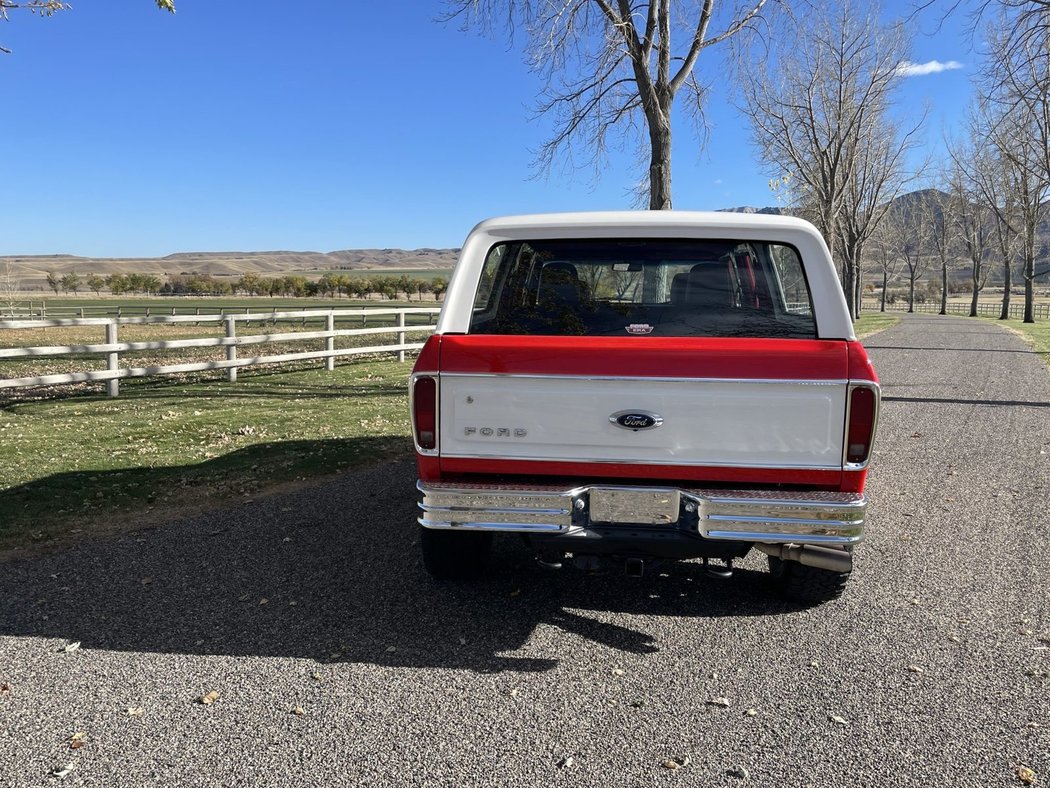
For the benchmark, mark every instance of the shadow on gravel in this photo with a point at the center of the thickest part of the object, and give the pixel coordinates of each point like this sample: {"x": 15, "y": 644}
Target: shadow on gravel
{"x": 332, "y": 573}
{"x": 952, "y": 349}
{"x": 949, "y": 401}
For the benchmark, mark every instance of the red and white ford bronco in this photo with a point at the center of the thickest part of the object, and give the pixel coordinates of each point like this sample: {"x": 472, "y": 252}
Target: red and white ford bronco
{"x": 646, "y": 386}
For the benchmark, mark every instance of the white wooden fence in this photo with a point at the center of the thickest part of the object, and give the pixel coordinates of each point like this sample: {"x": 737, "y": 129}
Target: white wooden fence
{"x": 112, "y": 347}
{"x": 984, "y": 308}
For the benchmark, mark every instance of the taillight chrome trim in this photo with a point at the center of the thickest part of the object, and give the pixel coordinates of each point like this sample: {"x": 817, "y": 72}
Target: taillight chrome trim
{"x": 437, "y": 410}
{"x": 853, "y": 386}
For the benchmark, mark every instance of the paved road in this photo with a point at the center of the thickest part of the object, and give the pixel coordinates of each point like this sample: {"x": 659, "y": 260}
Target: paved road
{"x": 316, "y": 601}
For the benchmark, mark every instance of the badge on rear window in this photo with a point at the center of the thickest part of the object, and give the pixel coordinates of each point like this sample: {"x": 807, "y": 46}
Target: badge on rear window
{"x": 639, "y": 328}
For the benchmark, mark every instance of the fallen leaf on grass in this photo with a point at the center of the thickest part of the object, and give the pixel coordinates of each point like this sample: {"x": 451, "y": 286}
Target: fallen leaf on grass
{"x": 71, "y": 647}
{"x": 565, "y": 762}
{"x": 721, "y": 702}
{"x": 1024, "y": 774}
{"x": 298, "y": 711}
{"x": 838, "y": 720}
{"x": 316, "y": 676}
{"x": 751, "y": 712}
{"x": 77, "y": 740}
{"x": 5, "y": 688}
{"x": 915, "y": 669}
{"x": 147, "y": 580}
{"x": 210, "y": 698}
{"x": 136, "y": 711}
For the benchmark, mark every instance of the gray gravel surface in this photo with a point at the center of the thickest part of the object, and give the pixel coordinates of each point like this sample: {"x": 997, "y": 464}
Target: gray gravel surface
{"x": 931, "y": 670}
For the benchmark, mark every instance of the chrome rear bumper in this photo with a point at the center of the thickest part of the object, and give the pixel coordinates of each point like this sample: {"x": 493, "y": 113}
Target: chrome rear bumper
{"x": 818, "y": 518}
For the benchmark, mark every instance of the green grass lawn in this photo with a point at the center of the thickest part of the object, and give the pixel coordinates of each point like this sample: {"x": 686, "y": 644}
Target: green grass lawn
{"x": 872, "y": 322}
{"x": 1036, "y": 334}
{"x": 76, "y": 463}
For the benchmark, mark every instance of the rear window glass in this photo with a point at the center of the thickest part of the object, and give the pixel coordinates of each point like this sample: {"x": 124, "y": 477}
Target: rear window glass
{"x": 644, "y": 287}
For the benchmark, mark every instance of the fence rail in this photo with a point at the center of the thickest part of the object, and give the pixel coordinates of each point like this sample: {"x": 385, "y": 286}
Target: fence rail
{"x": 111, "y": 348}
{"x": 984, "y": 309}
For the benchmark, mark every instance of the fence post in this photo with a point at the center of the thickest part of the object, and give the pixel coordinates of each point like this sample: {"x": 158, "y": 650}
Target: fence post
{"x": 401, "y": 335}
{"x": 231, "y": 350}
{"x": 112, "y": 359}
{"x": 329, "y": 341}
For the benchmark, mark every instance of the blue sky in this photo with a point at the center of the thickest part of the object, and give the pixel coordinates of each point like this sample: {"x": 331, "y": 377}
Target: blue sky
{"x": 322, "y": 125}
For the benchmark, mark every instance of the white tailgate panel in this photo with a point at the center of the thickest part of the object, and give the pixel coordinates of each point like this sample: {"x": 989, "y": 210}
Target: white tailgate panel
{"x": 706, "y": 422}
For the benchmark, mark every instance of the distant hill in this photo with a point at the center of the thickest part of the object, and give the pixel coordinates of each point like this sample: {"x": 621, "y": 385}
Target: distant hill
{"x": 30, "y": 270}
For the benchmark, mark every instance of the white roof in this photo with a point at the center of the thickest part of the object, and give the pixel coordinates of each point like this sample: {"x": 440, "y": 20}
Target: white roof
{"x": 623, "y": 221}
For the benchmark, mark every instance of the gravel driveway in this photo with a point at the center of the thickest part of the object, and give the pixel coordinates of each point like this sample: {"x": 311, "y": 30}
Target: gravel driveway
{"x": 337, "y": 661}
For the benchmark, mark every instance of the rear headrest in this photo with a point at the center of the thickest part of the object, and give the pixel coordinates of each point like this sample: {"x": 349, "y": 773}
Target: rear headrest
{"x": 559, "y": 285}
{"x": 679, "y": 288}
{"x": 708, "y": 286}
{"x": 565, "y": 269}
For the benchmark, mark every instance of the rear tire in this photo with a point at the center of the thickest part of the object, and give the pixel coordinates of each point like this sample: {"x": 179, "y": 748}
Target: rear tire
{"x": 455, "y": 555}
{"x": 801, "y": 583}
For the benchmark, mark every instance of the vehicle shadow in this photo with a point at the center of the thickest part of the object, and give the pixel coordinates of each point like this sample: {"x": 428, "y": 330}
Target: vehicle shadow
{"x": 332, "y": 573}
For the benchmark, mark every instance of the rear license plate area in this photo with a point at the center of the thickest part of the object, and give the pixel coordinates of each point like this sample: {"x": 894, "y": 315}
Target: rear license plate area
{"x": 638, "y": 507}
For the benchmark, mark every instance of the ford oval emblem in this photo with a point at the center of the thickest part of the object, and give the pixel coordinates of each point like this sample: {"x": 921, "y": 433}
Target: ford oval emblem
{"x": 636, "y": 420}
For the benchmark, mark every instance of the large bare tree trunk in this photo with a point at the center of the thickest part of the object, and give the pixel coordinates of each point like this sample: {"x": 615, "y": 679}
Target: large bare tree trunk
{"x": 944, "y": 288}
{"x": 1004, "y": 314}
{"x": 1029, "y": 292}
{"x": 660, "y": 165}
{"x": 973, "y": 295}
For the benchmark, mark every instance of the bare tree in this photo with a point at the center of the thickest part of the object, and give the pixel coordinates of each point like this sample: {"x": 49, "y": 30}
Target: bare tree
{"x": 10, "y": 289}
{"x": 884, "y": 252}
{"x": 608, "y": 64}
{"x": 912, "y": 243}
{"x": 1015, "y": 96}
{"x": 940, "y": 231}
{"x": 970, "y": 221}
{"x": 818, "y": 106}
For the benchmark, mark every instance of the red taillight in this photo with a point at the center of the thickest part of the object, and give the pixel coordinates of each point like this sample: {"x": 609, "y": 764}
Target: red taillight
{"x": 863, "y": 408}
{"x": 424, "y": 412}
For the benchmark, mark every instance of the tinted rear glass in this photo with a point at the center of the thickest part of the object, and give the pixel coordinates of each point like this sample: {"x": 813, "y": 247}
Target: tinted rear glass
{"x": 644, "y": 287}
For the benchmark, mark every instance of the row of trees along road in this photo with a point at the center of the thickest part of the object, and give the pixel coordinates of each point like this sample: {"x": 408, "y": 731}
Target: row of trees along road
{"x": 816, "y": 80}
{"x": 330, "y": 285}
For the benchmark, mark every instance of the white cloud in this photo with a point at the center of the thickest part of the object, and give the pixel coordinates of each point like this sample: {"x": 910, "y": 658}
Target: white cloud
{"x": 907, "y": 69}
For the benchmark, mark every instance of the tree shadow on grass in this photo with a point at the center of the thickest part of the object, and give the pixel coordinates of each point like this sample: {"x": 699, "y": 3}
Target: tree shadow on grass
{"x": 332, "y": 572}
{"x": 102, "y": 501}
